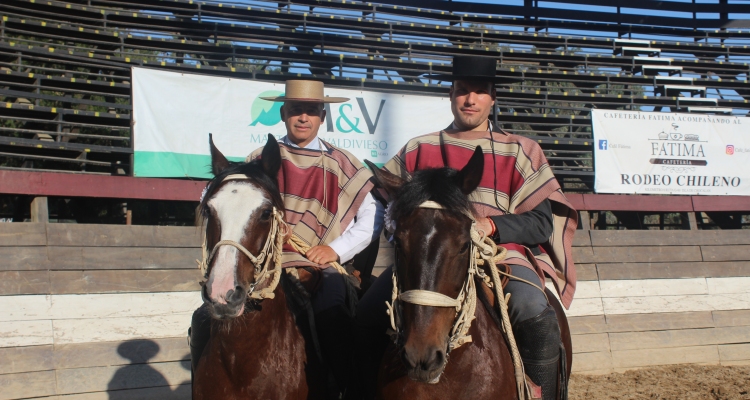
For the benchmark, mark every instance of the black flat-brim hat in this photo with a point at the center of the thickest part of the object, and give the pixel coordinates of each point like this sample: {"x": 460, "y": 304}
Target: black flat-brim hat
{"x": 471, "y": 68}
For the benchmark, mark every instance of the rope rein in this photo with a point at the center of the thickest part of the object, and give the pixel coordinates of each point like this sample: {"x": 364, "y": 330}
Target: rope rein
{"x": 484, "y": 252}
{"x": 267, "y": 263}
{"x": 302, "y": 247}
{"x": 487, "y": 253}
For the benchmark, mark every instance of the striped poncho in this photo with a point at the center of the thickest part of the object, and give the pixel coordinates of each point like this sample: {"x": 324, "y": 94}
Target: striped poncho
{"x": 522, "y": 180}
{"x": 322, "y": 191}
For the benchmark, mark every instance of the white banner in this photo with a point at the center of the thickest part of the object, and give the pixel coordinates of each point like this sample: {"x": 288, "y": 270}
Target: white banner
{"x": 173, "y": 113}
{"x": 670, "y": 153}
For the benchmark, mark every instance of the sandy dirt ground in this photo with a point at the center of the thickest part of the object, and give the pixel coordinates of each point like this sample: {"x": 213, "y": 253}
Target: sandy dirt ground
{"x": 678, "y": 382}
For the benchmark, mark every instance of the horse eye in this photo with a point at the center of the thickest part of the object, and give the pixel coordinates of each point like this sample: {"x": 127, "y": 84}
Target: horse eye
{"x": 265, "y": 215}
{"x": 465, "y": 248}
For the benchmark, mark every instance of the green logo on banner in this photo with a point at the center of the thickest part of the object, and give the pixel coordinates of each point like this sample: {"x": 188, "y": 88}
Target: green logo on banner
{"x": 266, "y": 112}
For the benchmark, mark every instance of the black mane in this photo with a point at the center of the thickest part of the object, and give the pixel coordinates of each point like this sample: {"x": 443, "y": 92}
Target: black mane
{"x": 437, "y": 185}
{"x": 254, "y": 171}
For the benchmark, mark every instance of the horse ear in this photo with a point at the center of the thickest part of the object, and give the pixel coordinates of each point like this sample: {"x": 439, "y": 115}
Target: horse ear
{"x": 218, "y": 161}
{"x": 388, "y": 181}
{"x": 270, "y": 157}
{"x": 469, "y": 177}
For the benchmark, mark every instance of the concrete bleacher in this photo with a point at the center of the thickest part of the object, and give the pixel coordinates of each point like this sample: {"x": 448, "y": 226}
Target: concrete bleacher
{"x": 644, "y": 297}
{"x": 65, "y": 65}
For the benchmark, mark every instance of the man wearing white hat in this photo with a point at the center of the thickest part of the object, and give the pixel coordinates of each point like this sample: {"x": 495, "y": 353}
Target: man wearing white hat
{"x": 326, "y": 192}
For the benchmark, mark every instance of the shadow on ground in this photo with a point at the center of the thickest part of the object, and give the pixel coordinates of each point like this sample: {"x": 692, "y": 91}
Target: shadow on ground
{"x": 140, "y": 380}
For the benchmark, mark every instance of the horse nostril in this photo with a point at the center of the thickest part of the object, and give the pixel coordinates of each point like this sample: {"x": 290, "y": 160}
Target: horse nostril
{"x": 435, "y": 361}
{"x": 407, "y": 359}
{"x": 235, "y": 295}
{"x": 440, "y": 357}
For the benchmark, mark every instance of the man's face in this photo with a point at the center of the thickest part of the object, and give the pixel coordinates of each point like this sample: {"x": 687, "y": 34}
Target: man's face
{"x": 302, "y": 120}
{"x": 471, "y": 103}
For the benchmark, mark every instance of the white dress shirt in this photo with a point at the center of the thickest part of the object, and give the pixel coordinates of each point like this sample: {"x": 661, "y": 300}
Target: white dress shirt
{"x": 366, "y": 226}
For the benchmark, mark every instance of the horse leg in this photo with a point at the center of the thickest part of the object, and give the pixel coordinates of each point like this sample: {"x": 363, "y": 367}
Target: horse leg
{"x": 198, "y": 335}
{"x": 335, "y": 332}
{"x": 371, "y": 323}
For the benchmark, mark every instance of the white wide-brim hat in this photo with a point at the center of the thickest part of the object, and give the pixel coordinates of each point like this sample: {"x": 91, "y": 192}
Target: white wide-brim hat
{"x": 310, "y": 91}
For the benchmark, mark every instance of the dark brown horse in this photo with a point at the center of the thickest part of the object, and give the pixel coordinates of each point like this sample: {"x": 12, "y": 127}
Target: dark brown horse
{"x": 433, "y": 249}
{"x": 257, "y": 349}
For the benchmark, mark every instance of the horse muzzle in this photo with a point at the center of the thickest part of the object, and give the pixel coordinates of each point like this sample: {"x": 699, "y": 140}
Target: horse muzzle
{"x": 231, "y": 305}
{"x": 426, "y": 365}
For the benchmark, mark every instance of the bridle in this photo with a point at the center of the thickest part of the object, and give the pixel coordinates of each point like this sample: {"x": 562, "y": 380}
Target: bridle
{"x": 267, "y": 263}
{"x": 482, "y": 251}
{"x": 465, "y": 303}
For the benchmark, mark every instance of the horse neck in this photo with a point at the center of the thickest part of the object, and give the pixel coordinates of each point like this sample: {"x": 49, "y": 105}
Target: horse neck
{"x": 258, "y": 328}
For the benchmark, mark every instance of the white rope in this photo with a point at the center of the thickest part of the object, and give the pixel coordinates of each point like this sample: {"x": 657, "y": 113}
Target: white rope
{"x": 428, "y": 298}
{"x": 433, "y": 205}
{"x": 302, "y": 247}
{"x": 465, "y": 303}
{"x": 277, "y": 235}
{"x": 267, "y": 263}
{"x": 483, "y": 251}
{"x": 487, "y": 252}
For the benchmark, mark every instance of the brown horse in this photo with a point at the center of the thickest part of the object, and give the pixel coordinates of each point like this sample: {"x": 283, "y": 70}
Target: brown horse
{"x": 433, "y": 248}
{"x": 258, "y": 348}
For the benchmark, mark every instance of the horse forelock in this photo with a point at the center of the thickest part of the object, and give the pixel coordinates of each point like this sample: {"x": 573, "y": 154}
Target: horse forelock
{"x": 254, "y": 173}
{"x": 437, "y": 185}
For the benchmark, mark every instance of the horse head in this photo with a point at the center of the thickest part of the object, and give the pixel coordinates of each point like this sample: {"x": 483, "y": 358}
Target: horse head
{"x": 432, "y": 246}
{"x": 239, "y": 208}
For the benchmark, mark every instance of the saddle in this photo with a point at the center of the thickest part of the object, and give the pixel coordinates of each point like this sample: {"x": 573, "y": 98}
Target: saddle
{"x": 310, "y": 277}
{"x": 504, "y": 269}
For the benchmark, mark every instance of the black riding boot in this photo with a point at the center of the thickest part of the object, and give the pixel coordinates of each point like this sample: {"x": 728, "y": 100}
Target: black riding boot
{"x": 198, "y": 335}
{"x": 538, "y": 340}
{"x": 334, "y": 327}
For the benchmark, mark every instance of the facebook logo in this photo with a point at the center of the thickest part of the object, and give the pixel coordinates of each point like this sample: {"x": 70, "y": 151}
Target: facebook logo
{"x": 602, "y": 145}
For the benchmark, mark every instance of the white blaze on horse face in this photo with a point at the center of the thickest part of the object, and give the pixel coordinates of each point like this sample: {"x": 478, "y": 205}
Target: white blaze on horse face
{"x": 233, "y": 204}
{"x": 427, "y": 280}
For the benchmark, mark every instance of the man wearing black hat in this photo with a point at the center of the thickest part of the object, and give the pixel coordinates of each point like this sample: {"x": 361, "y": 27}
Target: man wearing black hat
{"x": 519, "y": 204}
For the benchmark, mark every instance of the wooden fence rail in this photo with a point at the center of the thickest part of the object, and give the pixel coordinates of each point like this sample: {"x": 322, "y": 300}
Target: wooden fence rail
{"x": 101, "y": 311}
{"x": 122, "y": 187}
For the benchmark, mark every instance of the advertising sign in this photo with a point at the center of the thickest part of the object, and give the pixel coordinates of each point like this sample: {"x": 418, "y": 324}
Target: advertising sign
{"x": 173, "y": 114}
{"x": 671, "y": 153}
